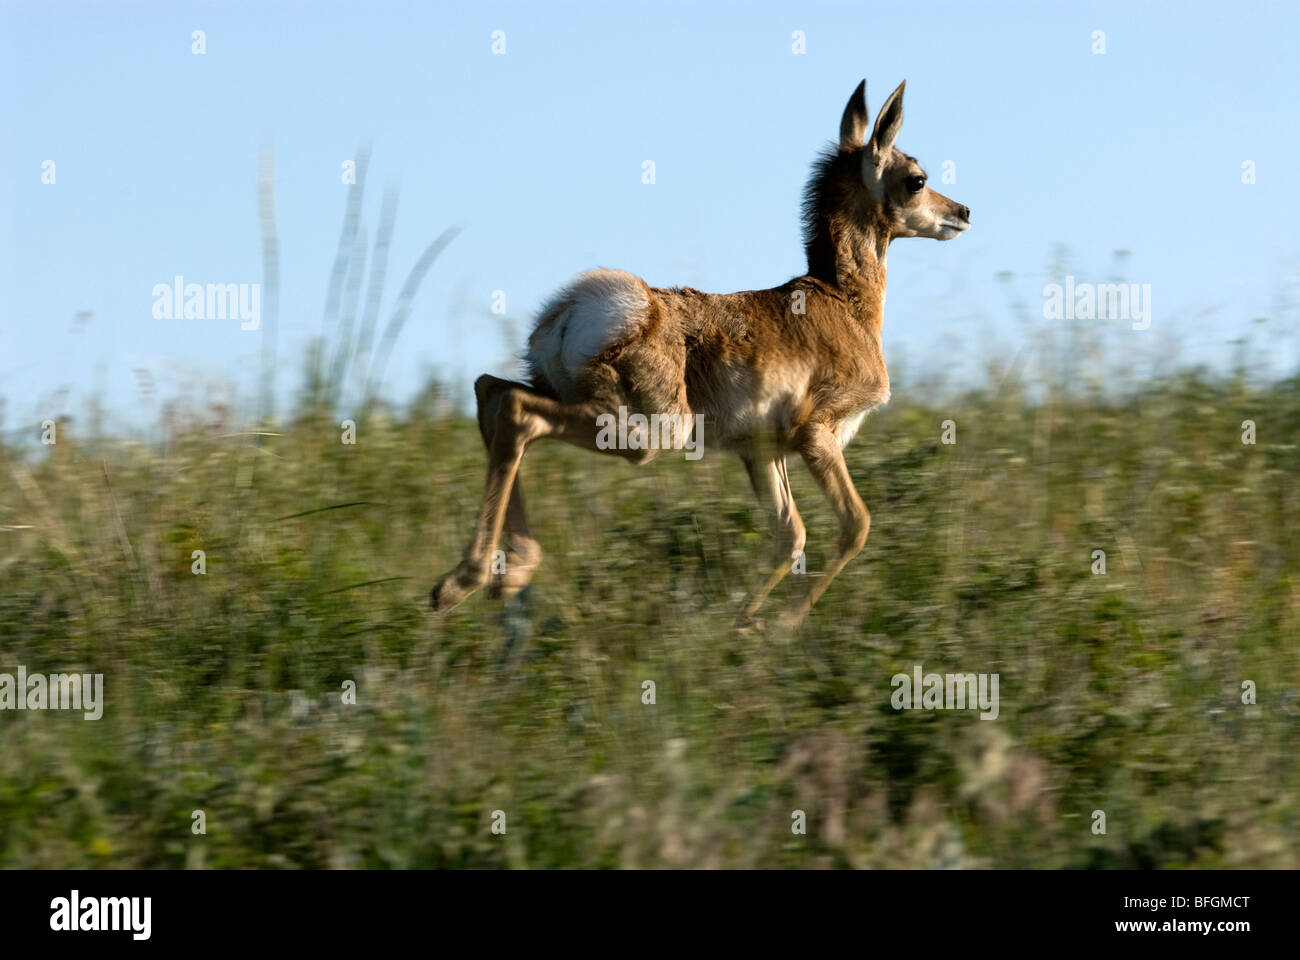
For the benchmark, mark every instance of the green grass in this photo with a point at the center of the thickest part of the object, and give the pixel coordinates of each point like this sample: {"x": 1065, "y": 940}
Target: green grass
{"x": 1119, "y": 693}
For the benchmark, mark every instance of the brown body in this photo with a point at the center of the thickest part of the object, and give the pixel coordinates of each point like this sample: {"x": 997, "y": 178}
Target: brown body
{"x": 766, "y": 373}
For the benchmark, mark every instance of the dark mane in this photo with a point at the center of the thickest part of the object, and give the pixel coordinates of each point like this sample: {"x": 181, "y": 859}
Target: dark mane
{"x": 823, "y": 198}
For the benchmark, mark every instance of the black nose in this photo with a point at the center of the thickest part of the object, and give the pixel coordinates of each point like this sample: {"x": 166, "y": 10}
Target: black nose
{"x": 965, "y": 212}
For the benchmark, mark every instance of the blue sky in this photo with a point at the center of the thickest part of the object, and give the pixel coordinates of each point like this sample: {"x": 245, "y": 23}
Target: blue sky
{"x": 538, "y": 155}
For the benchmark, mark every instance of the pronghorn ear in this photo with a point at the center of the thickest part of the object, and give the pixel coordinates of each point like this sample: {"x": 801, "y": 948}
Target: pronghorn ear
{"x": 888, "y": 122}
{"x": 853, "y": 125}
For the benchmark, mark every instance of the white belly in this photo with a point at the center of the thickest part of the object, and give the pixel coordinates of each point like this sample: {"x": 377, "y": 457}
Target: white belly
{"x": 848, "y": 427}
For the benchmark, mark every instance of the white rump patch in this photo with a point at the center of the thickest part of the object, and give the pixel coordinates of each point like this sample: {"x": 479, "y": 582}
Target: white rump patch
{"x": 599, "y": 308}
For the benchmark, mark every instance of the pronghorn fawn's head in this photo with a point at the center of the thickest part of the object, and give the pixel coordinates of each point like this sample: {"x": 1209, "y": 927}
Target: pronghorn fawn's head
{"x": 883, "y": 187}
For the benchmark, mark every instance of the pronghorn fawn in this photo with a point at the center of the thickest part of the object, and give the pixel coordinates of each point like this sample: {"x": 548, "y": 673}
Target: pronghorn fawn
{"x": 762, "y": 374}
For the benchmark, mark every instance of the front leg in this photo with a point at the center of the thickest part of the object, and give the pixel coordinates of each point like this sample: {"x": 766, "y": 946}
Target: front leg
{"x": 820, "y": 448}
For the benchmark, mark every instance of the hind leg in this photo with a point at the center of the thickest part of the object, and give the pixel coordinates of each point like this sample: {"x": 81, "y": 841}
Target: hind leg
{"x": 517, "y": 416}
{"x": 523, "y": 552}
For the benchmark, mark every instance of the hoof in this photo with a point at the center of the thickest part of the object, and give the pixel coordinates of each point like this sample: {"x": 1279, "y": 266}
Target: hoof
{"x": 452, "y": 589}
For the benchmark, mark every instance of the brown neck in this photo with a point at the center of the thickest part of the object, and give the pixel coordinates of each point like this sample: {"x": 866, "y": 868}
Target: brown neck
{"x": 851, "y": 258}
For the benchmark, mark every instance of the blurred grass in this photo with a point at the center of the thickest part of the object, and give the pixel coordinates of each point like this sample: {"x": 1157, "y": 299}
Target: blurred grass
{"x": 1119, "y": 692}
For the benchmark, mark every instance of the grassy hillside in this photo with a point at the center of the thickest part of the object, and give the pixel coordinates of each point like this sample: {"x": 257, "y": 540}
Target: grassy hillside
{"x": 1119, "y": 692}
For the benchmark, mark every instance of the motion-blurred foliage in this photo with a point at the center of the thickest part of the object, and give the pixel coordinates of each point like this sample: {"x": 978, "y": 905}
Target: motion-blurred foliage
{"x": 1119, "y": 692}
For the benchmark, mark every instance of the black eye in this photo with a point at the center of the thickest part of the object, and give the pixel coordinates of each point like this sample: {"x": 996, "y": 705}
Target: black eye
{"x": 915, "y": 184}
